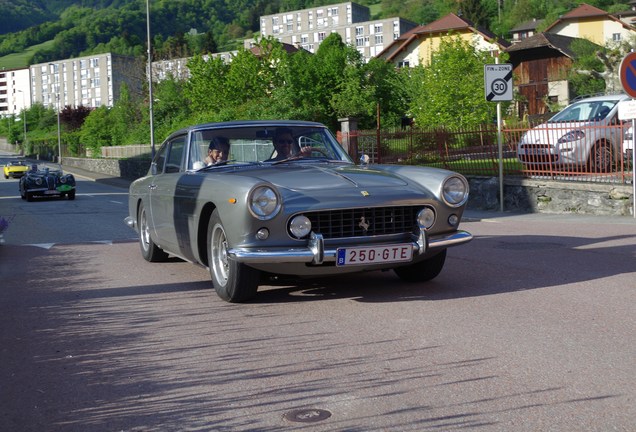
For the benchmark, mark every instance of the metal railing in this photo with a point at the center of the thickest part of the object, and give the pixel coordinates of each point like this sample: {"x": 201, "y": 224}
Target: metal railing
{"x": 476, "y": 152}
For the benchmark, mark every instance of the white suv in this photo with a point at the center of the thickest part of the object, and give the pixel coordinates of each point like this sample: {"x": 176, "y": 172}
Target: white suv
{"x": 585, "y": 134}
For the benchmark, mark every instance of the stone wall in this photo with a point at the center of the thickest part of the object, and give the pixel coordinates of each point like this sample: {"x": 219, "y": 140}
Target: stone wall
{"x": 551, "y": 196}
{"x": 129, "y": 169}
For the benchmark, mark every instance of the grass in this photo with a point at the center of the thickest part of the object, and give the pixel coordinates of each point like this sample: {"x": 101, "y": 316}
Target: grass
{"x": 21, "y": 60}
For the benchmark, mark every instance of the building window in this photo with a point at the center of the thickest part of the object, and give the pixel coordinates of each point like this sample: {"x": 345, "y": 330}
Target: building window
{"x": 360, "y": 41}
{"x": 377, "y": 28}
{"x": 379, "y": 40}
{"x": 403, "y": 63}
{"x": 321, "y": 36}
{"x": 616, "y": 37}
{"x": 359, "y": 31}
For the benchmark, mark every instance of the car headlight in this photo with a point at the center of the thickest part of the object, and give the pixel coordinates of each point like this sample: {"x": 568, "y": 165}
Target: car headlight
{"x": 300, "y": 226}
{"x": 455, "y": 191}
{"x": 574, "y": 135}
{"x": 264, "y": 202}
{"x": 62, "y": 179}
{"x": 38, "y": 181}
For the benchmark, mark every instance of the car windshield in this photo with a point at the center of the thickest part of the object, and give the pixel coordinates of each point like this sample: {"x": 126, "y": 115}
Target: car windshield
{"x": 222, "y": 146}
{"x": 585, "y": 111}
{"x": 46, "y": 167}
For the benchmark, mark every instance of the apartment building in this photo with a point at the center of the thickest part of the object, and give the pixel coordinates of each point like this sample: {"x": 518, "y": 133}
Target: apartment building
{"x": 307, "y": 28}
{"x": 178, "y": 68}
{"x": 14, "y": 91}
{"x": 90, "y": 81}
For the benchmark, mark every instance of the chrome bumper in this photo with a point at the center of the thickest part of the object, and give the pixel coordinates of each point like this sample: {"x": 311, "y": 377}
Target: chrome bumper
{"x": 315, "y": 252}
{"x": 130, "y": 222}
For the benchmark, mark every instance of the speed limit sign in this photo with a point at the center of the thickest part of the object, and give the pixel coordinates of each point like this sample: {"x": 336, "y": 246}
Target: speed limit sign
{"x": 498, "y": 80}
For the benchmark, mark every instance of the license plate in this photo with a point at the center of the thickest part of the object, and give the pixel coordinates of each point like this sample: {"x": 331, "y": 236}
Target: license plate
{"x": 536, "y": 152}
{"x": 374, "y": 254}
{"x": 51, "y": 192}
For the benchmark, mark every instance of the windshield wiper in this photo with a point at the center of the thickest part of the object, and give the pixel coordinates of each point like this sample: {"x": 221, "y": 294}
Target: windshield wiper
{"x": 289, "y": 159}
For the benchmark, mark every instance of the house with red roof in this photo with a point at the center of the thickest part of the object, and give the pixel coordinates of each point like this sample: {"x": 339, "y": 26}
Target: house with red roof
{"x": 594, "y": 24}
{"x": 416, "y": 46}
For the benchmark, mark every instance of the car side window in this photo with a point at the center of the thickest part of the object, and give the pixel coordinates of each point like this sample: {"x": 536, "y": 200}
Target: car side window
{"x": 174, "y": 161}
{"x": 160, "y": 157}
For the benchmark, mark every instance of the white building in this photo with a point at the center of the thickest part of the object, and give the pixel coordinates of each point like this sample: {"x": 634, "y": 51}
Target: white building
{"x": 15, "y": 95}
{"x": 90, "y": 81}
{"x": 307, "y": 28}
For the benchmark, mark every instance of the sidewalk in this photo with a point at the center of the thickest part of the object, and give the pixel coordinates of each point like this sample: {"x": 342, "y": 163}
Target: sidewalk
{"x": 97, "y": 177}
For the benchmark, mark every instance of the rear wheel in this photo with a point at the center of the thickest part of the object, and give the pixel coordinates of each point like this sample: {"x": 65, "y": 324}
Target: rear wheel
{"x": 149, "y": 250}
{"x": 424, "y": 270}
{"x": 233, "y": 281}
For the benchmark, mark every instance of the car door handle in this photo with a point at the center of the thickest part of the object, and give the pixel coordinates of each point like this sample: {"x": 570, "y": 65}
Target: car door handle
{"x": 152, "y": 186}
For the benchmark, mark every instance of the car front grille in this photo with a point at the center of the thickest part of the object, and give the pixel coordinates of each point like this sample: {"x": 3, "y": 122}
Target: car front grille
{"x": 537, "y": 153}
{"x": 361, "y": 222}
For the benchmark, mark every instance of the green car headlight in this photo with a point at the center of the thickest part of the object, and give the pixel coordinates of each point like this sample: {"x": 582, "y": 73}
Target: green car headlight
{"x": 264, "y": 202}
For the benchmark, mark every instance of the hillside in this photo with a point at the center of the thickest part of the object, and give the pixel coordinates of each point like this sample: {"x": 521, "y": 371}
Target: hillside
{"x": 46, "y": 30}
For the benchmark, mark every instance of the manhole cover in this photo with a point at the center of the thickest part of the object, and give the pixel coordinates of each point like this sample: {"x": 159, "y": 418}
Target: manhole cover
{"x": 310, "y": 415}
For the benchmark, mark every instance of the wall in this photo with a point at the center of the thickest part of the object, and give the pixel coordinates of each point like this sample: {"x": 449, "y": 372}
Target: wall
{"x": 550, "y": 196}
{"x": 129, "y": 169}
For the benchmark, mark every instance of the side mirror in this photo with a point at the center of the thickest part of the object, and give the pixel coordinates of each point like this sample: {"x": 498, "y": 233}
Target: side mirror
{"x": 153, "y": 168}
{"x": 364, "y": 159}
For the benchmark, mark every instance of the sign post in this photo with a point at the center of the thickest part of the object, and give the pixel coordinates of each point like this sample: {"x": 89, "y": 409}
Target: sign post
{"x": 627, "y": 111}
{"x": 498, "y": 87}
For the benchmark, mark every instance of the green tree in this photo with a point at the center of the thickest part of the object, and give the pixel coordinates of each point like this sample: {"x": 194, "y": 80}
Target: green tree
{"x": 450, "y": 90}
{"x": 584, "y": 75}
{"x": 206, "y": 89}
{"x": 96, "y": 131}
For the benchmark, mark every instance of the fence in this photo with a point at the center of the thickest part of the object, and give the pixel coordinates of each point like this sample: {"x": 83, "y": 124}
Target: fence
{"x": 607, "y": 158}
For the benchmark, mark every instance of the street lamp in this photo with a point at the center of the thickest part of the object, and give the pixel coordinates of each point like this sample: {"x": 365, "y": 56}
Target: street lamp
{"x": 59, "y": 135}
{"x": 23, "y": 114}
{"x": 152, "y": 131}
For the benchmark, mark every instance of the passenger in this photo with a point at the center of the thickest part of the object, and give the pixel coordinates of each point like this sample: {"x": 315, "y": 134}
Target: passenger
{"x": 218, "y": 151}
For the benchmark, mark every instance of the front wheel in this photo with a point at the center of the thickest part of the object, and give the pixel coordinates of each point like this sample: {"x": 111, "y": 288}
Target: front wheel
{"x": 149, "y": 250}
{"x": 71, "y": 194}
{"x": 601, "y": 158}
{"x": 424, "y": 270}
{"x": 233, "y": 281}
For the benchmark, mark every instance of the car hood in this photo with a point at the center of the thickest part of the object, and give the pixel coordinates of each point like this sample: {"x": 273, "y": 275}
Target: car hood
{"x": 549, "y": 133}
{"x": 313, "y": 178}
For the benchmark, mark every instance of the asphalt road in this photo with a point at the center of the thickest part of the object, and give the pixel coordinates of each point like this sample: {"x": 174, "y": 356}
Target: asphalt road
{"x": 530, "y": 327}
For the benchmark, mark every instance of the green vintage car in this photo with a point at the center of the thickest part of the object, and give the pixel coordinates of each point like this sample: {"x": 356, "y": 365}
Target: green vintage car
{"x": 46, "y": 180}
{"x": 288, "y": 200}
